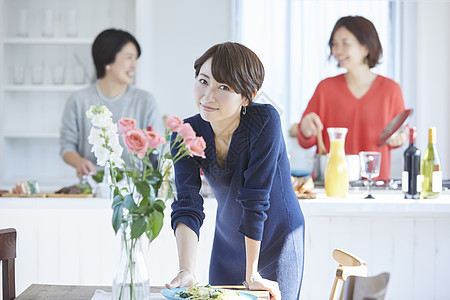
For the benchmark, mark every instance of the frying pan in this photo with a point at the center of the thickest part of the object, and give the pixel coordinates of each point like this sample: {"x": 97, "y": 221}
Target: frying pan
{"x": 396, "y": 123}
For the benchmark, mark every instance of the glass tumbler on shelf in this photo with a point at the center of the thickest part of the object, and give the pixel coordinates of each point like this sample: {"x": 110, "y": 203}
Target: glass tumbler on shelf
{"x": 370, "y": 168}
{"x": 37, "y": 74}
{"x": 22, "y": 26}
{"x": 58, "y": 74}
{"x": 49, "y": 23}
{"x": 72, "y": 23}
{"x": 19, "y": 74}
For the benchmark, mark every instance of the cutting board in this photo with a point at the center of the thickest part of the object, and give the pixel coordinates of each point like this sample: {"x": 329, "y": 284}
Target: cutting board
{"x": 264, "y": 295}
{"x": 55, "y": 195}
{"x": 39, "y": 195}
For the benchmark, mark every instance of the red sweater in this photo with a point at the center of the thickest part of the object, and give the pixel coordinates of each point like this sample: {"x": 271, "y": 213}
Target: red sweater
{"x": 365, "y": 118}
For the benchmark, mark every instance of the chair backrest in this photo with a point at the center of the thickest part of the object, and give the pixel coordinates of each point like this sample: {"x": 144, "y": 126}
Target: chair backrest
{"x": 349, "y": 265}
{"x": 7, "y": 257}
{"x": 366, "y": 288}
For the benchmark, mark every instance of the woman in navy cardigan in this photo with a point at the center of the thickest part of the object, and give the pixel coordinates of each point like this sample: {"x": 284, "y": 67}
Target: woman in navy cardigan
{"x": 259, "y": 233}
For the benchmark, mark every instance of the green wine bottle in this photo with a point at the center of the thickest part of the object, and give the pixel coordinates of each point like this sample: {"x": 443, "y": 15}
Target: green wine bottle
{"x": 431, "y": 168}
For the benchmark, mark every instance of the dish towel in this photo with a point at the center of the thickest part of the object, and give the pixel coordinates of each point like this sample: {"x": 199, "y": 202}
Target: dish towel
{"x": 102, "y": 295}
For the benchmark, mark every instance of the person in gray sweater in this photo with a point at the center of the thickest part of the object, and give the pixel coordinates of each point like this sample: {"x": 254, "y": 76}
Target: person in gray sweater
{"x": 115, "y": 53}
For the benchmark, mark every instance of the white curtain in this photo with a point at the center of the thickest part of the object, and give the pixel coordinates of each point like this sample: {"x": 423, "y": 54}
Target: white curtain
{"x": 291, "y": 38}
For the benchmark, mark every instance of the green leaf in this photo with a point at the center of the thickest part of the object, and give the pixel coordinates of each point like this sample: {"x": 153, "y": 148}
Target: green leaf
{"x": 159, "y": 205}
{"x": 99, "y": 176}
{"x": 118, "y": 200}
{"x": 155, "y": 223}
{"x": 138, "y": 226}
{"x": 144, "y": 207}
{"x": 129, "y": 203}
{"x": 168, "y": 155}
{"x": 117, "y": 217}
{"x": 142, "y": 188}
{"x": 119, "y": 175}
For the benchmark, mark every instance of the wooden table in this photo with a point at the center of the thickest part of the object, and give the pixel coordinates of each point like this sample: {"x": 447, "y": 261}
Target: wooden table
{"x": 67, "y": 292}
{"x": 84, "y": 292}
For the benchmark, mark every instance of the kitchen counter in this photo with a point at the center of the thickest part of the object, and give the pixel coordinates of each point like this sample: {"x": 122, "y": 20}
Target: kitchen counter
{"x": 74, "y": 240}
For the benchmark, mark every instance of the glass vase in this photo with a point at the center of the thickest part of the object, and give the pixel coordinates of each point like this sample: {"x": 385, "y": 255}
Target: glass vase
{"x": 103, "y": 189}
{"x": 131, "y": 279}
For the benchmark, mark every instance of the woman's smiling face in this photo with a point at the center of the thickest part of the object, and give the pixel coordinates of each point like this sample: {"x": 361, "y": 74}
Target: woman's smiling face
{"x": 347, "y": 50}
{"x": 216, "y": 101}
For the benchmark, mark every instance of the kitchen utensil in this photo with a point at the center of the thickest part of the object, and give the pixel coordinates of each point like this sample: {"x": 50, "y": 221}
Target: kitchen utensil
{"x": 320, "y": 145}
{"x": 393, "y": 126}
{"x": 320, "y": 163}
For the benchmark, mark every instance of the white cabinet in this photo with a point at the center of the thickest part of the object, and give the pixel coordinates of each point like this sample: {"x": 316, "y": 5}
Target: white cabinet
{"x": 45, "y": 55}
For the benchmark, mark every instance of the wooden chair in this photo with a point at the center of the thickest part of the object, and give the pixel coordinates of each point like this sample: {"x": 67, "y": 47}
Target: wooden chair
{"x": 349, "y": 265}
{"x": 7, "y": 258}
{"x": 366, "y": 288}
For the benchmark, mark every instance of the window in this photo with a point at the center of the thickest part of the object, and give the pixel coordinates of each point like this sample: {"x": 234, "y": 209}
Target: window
{"x": 291, "y": 38}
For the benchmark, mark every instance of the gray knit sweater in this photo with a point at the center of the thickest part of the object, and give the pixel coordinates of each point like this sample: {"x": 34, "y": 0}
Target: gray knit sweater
{"x": 75, "y": 126}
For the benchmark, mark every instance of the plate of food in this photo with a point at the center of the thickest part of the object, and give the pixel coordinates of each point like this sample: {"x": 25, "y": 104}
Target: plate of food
{"x": 205, "y": 293}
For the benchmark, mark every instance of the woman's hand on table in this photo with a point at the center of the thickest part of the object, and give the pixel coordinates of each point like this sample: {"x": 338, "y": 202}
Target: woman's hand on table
{"x": 183, "y": 278}
{"x": 310, "y": 124}
{"x": 266, "y": 285}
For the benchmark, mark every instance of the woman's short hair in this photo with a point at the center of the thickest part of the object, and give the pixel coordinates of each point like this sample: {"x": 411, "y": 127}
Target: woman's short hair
{"x": 366, "y": 34}
{"x": 106, "y": 46}
{"x": 235, "y": 65}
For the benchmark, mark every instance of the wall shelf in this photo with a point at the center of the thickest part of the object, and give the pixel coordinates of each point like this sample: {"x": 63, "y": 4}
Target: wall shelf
{"x": 30, "y": 114}
{"x": 45, "y": 88}
{"x": 31, "y": 135}
{"x": 47, "y": 41}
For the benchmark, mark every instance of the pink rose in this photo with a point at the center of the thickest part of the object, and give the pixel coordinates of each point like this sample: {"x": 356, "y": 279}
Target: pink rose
{"x": 154, "y": 139}
{"x": 173, "y": 123}
{"x": 126, "y": 124}
{"x": 136, "y": 141}
{"x": 186, "y": 131}
{"x": 196, "y": 146}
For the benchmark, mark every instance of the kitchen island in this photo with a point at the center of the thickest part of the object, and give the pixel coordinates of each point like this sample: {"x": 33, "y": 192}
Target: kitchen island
{"x": 71, "y": 241}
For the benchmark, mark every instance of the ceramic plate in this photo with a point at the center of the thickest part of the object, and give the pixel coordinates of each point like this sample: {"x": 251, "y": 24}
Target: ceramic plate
{"x": 170, "y": 294}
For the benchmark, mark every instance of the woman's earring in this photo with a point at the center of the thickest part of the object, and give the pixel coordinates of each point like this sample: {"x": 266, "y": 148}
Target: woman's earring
{"x": 108, "y": 67}
{"x": 244, "y": 110}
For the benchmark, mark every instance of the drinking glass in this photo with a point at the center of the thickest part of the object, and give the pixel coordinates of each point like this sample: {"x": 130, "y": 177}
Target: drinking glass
{"x": 370, "y": 168}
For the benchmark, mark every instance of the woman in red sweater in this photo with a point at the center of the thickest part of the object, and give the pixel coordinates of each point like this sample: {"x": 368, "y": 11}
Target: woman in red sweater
{"x": 359, "y": 100}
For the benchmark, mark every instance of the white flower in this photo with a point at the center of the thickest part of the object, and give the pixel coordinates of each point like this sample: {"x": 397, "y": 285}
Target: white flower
{"x": 102, "y": 155}
{"x": 101, "y": 120}
{"x": 116, "y": 159}
{"x": 95, "y": 138}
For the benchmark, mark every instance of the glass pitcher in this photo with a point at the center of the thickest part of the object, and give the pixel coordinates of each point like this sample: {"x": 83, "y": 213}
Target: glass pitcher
{"x": 336, "y": 172}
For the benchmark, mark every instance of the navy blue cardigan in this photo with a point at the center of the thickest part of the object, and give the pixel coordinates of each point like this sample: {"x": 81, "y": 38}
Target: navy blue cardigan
{"x": 255, "y": 199}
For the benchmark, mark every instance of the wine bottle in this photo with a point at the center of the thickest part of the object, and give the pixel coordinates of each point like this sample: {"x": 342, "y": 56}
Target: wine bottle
{"x": 411, "y": 178}
{"x": 431, "y": 168}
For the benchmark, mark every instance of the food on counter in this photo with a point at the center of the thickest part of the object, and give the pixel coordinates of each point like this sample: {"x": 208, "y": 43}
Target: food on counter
{"x": 75, "y": 189}
{"x": 26, "y": 187}
{"x": 207, "y": 292}
{"x": 3, "y": 192}
{"x": 303, "y": 187}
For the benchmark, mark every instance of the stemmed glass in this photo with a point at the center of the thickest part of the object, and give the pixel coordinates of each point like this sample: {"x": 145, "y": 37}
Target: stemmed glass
{"x": 370, "y": 167}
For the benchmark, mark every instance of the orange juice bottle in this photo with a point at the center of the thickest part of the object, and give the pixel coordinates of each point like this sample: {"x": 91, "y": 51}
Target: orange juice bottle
{"x": 336, "y": 174}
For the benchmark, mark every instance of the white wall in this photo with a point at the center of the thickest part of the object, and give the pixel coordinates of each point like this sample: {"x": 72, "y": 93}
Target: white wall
{"x": 176, "y": 33}
{"x": 433, "y": 77}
